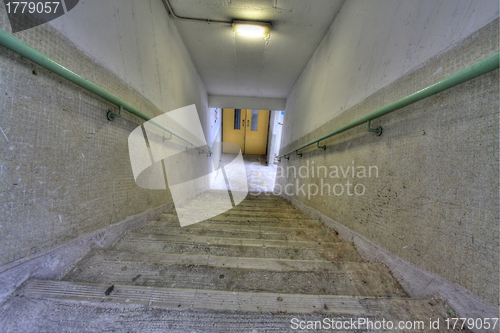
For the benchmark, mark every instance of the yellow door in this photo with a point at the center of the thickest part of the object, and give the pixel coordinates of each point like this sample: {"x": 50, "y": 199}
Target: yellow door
{"x": 233, "y": 127}
{"x": 246, "y": 128}
{"x": 257, "y": 123}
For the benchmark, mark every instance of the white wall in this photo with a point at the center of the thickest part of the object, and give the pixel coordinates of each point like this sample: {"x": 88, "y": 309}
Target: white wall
{"x": 371, "y": 44}
{"x": 139, "y": 42}
{"x": 274, "y": 140}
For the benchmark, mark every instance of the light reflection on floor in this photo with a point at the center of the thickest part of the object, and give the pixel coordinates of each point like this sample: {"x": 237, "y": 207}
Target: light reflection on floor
{"x": 260, "y": 176}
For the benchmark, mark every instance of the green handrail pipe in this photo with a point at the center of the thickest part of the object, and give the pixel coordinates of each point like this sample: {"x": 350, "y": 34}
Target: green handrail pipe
{"x": 14, "y": 44}
{"x": 482, "y": 67}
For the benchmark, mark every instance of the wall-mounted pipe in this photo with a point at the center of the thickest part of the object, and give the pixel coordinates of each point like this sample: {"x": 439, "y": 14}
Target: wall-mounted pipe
{"x": 482, "y": 67}
{"x": 168, "y": 6}
{"x": 12, "y": 43}
{"x": 171, "y": 11}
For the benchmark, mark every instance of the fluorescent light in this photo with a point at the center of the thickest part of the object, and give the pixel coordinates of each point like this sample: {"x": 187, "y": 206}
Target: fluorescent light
{"x": 252, "y": 29}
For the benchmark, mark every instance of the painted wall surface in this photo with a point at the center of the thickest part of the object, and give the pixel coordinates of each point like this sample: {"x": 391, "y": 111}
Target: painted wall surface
{"x": 65, "y": 169}
{"x": 235, "y": 65}
{"x": 371, "y": 44}
{"x": 432, "y": 194}
{"x": 274, "y": 139}
{"x": 138, "y": 41}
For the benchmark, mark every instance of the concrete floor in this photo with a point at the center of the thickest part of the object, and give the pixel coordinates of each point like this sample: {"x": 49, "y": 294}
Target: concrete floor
{"x": 260, "y": 176}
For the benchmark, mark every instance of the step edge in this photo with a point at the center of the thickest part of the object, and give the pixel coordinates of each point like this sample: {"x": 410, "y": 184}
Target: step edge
{"x": 263, "y": 240}
{"x": 207, "y": 299}
{"x": 264, "y": 264}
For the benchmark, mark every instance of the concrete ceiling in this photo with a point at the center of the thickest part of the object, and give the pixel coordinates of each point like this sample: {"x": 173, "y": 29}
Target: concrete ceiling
{"x": 256, "y": 67}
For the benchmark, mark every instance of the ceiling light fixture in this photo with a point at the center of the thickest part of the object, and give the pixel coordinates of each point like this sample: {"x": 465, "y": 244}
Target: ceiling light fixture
{"x": 251, "y": 29}
{"x": 240, "y": 27}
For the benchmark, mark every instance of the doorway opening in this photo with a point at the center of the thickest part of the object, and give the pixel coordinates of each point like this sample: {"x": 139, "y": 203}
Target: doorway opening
{"x": 258, "y": 134}
{"x": 247, "y": 128}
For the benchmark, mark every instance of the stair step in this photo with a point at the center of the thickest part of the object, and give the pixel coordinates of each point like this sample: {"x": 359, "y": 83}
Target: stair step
{"x": 56, "y": 306}
{"x": 253, "y": 218}
{"x": 337, "y": 252}
{"x": 250, "y": 228}
{"x": 266, "y": 213}
{"x": 203, "y": 299}
{"x": 251, "y": 197}
{"x": 267, "y": 203}
{"x": 270, "y": 199}
{"x": 252, "y": 208}
{"x": 295, "y": 234}
{"x": 350, "y": 279}
{"x": 264, "y": 195}
{"x": 270, "y": 264}
{"x": 265, "y": 221}
{"x": 179, "y": 238}
{"x": 261, "y": 194}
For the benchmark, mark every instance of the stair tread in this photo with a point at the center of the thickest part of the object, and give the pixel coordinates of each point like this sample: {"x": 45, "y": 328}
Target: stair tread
{"x": 246, "y": 227}
{"x": 295, "y": 234}
{"x": 280, "y": 214}
{"x": 367, "y": 279}
{"x": 270, "y": 264}
{"x": 249, "y": 218}
{"x": 55, "y": 306}
{"x": 247, "y": 221}
{"x": 236, "y": 241}
{"x": 214, "y": 299}
{"x": 281, "y": 208}
{"x": 334, "y": 252}
{"x": 280, "y": 203}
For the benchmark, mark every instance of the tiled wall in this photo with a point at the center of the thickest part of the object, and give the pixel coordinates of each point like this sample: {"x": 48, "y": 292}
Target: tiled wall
{"x": 435, "y": 200}
{"x": 64, "y": 168}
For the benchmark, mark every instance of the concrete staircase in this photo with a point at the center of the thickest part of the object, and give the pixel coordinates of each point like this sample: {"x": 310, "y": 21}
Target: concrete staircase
{"x": 256, "y": 268}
